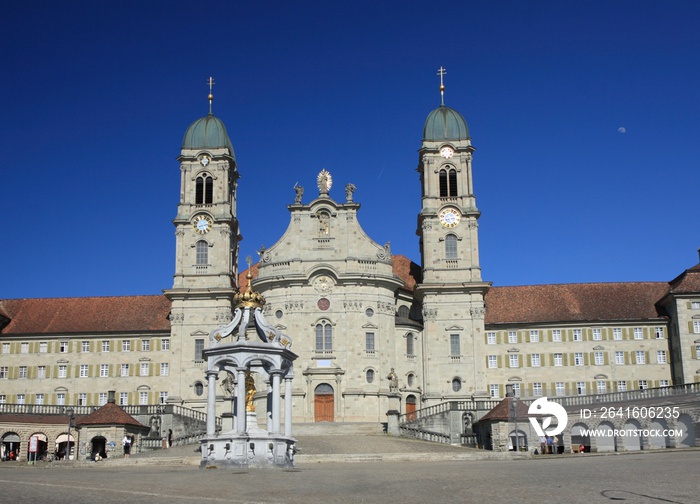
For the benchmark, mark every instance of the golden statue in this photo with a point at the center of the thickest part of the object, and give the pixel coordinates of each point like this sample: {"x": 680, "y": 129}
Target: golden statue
{"x": 249, "y": 391}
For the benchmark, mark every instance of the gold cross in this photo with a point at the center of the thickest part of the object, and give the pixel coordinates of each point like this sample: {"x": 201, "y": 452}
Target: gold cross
{"x": 210, "y": 81}
{"x": 441, "y": 72}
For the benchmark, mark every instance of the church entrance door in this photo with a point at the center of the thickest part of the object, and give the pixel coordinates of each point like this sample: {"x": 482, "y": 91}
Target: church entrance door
{"x": 324, "y": 403}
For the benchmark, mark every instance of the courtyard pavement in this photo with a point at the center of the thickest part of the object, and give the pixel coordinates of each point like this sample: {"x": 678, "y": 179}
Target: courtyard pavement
{"x": 390, "y": 470}
{"x": 668, "y": 476}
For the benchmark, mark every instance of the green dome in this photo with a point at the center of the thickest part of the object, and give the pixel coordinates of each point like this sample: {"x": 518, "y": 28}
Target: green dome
{"x": 444, "y": 123}
{"x": 207, "y": 133}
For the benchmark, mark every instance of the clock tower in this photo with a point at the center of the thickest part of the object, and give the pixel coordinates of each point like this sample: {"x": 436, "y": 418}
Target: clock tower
{"x": 206, "y": 251}
{"x": 452, "y": 291}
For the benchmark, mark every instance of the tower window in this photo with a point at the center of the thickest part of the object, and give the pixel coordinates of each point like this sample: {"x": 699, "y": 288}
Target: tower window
{"x": 204, "y": 190}
{"x": 448, "y": 182}
{"x": 202, "y": 253}
{"x": 450, "y": 246}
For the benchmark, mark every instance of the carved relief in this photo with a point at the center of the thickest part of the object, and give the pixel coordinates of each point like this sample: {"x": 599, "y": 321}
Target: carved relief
{"x": 290, "y": 306}
{"x": 385, "y": 307}
{"x": 478, "y": 313}
{"x": 352, "y": 305}
{"x": 324, "y": 224}
{"x": 323, "y": 284}
{"x": 429, "y": 313}
{"x": 385, "y": 253}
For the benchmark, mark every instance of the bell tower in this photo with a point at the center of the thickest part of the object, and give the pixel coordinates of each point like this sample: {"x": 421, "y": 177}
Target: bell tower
{"x": 206, "y": 248}
{"x": 452, "y": 291}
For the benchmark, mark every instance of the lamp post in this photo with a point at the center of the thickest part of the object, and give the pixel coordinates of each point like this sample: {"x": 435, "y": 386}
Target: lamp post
{"x": 69, "y": 413}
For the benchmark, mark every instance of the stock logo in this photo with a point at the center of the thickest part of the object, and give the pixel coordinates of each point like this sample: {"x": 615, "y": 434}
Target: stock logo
{"x": 542, "y": 407}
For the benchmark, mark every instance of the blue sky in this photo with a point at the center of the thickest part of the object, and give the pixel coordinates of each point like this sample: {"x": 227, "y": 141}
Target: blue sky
{"x": 96, "y": 96}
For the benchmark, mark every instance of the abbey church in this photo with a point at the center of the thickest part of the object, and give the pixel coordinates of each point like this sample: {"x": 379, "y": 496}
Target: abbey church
{"x": 365, "y": 323}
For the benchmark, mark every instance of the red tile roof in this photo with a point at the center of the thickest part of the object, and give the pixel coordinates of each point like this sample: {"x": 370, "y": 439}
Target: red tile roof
{"x": 574, "y": 302}
{"x": 502, "y": 411}
{"x": 504, "y": 305}
{"x": 109, "y": 414}
{"x": 406, "y": 270}
{"x": 22, "y": 418}
{"x": 687, "y": 282}
{"x": 86, "y": 315}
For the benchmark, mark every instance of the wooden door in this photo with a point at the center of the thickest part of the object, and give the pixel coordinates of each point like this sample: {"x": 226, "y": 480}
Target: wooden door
{"x": 324, "y": 404}
{"x": 410, "y": 408}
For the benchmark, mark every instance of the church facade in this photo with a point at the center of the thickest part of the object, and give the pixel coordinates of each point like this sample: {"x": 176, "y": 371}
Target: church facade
{"x": 366, "y": 324}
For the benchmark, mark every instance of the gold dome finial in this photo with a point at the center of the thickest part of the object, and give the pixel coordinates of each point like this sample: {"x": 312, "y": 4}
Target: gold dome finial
{"x": 249, "y": 298}
{"x": 441, "y": 72}
{"x": 210, "y": 81}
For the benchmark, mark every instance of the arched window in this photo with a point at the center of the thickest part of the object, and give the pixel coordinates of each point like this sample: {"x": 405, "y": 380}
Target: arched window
{"x": 403, "y": 311}
{"x": 370, "y": 375}
{"x": 198, "y": 388}
{"x": 448, "y": 182}
{"x": 409, "y": 345}
{"x": 202, "y": 253}
{"x": 324, "y": 337}
{"x": 410, "y": 379}
{"x": 450, "y": 246}
{"x": 456, "y": 384}
{"x": 204, "y": 189}
{"x": 452, "y": 182}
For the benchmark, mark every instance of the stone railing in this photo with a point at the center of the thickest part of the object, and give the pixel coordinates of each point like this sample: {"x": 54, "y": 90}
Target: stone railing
{"x": 628, "y": 396}
{"x": 133, "y": 410}
{"x": 425, "y": 435}
{"x": 45, "y": 409}
{"x": 469, "y": 440}
{"x": 448, "y": 406}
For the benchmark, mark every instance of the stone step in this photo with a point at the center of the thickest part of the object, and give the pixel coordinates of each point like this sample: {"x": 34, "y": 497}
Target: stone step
{"x": 337, "y": 429}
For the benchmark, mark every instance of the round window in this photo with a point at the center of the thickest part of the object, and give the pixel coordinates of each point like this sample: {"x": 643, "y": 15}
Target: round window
{"x": 369, "y": 312}
{"x": 456, "y": 385}
{"x": 278, "y": 314}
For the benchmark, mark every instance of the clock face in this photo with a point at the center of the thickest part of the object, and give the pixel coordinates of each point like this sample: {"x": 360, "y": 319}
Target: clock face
{"x": 447, "y": 152}
{"x": 204, "y": 161}
{"x": 323, "y": 304}
{"x": 202, "y": 224}
{"x": 450, "y": 217}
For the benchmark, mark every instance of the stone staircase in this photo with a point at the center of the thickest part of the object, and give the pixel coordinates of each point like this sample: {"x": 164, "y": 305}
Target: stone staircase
{"x": 334, "y": 442}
